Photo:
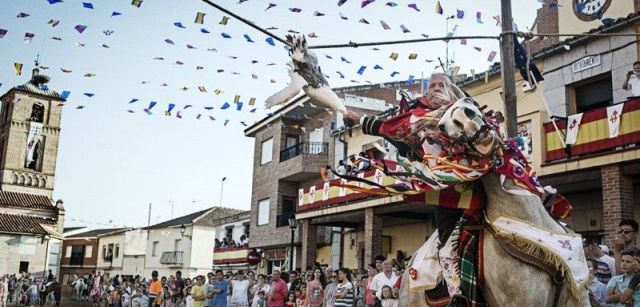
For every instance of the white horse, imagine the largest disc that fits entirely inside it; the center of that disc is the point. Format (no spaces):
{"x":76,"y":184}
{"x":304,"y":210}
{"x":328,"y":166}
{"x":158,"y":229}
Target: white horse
{"x":507,"y":280}
{"x":78,"y":286}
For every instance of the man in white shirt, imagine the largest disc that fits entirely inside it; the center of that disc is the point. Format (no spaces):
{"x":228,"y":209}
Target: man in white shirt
{"x":239,"y":289}
{"x":632,"y":82}
{"x":384,"y":278}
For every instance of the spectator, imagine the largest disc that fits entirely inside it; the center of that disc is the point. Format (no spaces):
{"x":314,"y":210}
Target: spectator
{"x":314,"y":294}
{"x":370,"y":294}
{"x":384,"y":278}
{"x":176,"y":291}
{"x":344,"y":289}
{"x":605,"y":264}
{"x":262,"y":299}
{"x":632,"y":82}
{"x":388,"y":300}
{"x":628,"y":229}
{"x":155,"y":289}
{"x":619,"y":283}
{"x":597,"y":289}
{"x":331,"y":288}
{"x":379,"y":260}
{"x":197,"y":292}
{"x":293,"y":277}
{"x":291,"y":300}
{"x":220,"y":290}
{"x":239,"y":287}
{"x":251,"y":275}
{"x":260,"y":286}
{"x":208,"y":290}
{"x":278,"y":290}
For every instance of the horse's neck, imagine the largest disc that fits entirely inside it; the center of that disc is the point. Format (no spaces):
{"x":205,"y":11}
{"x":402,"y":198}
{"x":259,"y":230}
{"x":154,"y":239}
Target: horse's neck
{"x":526,"y":208}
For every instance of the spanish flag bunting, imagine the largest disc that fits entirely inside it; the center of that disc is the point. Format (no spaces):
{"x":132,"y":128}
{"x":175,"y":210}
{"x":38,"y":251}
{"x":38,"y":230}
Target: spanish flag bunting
{"x":252,"y":101}
{"x":439,"y":9}
{"x":200,"y":18}
{"x":394,"y":56}
{"x":18,"y":67}
{"x":236,"y":99}
{"x":413,"y":56}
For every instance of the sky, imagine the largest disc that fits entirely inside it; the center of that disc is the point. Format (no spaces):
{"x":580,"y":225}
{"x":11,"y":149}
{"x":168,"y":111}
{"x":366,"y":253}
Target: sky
{"x":114,"y":159}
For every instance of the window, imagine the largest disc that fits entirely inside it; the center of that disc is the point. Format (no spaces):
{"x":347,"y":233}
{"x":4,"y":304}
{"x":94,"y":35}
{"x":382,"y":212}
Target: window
{"x":88,"y":251}
{"x":291,"y":141}
{"x":24,"y":266}
{"x":77,"y":254}
{"x":229,"y":232}
{"x":67,"y":254}
{"x":104,"y":252}
{"x":263,"y":212}
{"x":37,"y":112}
{"x":267,"y":151}
{"x":593,"y":94}
{"x":117,"y":254}
{"x":176,"y":244}
{"x":154,"y":249}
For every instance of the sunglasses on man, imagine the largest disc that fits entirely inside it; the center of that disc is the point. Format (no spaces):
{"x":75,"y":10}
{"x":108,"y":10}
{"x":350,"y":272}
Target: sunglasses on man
{"x":625,"y":231}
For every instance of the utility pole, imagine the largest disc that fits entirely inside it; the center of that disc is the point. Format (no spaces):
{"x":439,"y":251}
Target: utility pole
{"x":149,"y":216}
{"x":446,"y":69}
{"x":508,"y":70}
{"x":221,"y":190}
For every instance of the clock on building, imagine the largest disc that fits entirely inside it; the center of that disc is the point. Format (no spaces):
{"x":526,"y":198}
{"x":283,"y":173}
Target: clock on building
{"x":588,"y":10}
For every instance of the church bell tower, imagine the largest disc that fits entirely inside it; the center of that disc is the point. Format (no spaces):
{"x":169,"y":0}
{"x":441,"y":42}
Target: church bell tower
{"x":29,"y":136}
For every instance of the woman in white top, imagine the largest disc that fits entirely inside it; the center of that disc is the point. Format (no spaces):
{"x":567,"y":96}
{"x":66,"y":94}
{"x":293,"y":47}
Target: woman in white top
{"x":261,"y":285}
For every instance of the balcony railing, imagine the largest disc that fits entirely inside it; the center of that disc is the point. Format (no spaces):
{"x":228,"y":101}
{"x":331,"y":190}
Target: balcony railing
{"x":593,"y":133}
{"x":172,"y":258}
{"x":304,"y":148}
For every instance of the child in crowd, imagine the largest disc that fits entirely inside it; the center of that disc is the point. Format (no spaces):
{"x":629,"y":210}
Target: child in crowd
{"x":388,"y":300}
{"x":291,"y":300}
{"x":619,"y":283}
{"x":262,"y":302}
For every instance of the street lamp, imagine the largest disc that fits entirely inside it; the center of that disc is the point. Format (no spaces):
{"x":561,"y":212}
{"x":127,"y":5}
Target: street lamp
{"x":182,"y":230}
{"x":293,"y":224}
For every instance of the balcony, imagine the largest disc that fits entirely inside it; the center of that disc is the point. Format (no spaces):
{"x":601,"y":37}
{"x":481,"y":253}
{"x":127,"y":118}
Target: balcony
{"x":223,"y":256}
{"x":593,"y":134}
{"x":282,"y":220}
{"x":331,"y":194}
{"x":303,"y":161}
{"x":173,"y":258}
{"x":304,"y":148}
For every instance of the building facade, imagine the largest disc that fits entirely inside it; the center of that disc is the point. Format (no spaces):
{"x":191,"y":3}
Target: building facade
{"x":122,"y":252}
{"x":31,"y":223}
{"x":171,"y":247}
{"x":232,"y":237}
{"x":80,"y":253}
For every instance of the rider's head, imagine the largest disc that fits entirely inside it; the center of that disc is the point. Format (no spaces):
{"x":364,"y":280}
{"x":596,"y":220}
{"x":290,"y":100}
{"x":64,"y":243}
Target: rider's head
{"x":442,"y":91}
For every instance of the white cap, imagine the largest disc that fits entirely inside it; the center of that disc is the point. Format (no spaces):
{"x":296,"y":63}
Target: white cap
{"x":604,"y":248}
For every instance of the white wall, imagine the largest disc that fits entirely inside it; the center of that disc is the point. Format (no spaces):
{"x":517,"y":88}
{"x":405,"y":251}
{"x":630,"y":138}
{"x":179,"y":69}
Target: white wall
{"x":12,"y":252}
{"x":135,"y":242}
{"x":166,"y":239}
{"x":116,"y":261}
{"x":202,"y":250}
{"x":133,"y":265}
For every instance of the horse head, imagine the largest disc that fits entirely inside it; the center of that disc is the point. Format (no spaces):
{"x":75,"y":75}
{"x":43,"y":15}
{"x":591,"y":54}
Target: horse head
{"x":464,"y":121}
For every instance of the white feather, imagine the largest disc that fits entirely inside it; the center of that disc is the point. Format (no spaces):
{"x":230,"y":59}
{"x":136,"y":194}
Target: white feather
{"x":325,"y":96}
{"x":293,"y":88}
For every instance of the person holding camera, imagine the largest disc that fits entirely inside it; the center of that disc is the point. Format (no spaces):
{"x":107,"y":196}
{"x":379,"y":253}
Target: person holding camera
{"x":632,"y":82}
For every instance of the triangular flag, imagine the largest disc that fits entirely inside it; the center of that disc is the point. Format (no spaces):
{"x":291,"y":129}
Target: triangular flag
{"x":413,"y":56}
{"x":203,"y":30}
{"x":224,"y":20}
{"x":169,"y":109}
{"x":239,"y":106}
{"x":404,"y":29}
{"x":573,"y":126}
{"x":226,"y":105}
{"x":116,"y":14}
{"x":133,"y":100}
{"x":236,"y":99}
{"x":377,"y":67}
{"x":87,"y":5}
{"x":89,"y":94}
{"x":414,"y":6}
{"x":459,"y":14}
{"x":53,"y":22}
{"x":136,"y":3}
{"x":614,"y":117}
{"x":492,"y":56}
{"x":200,"y":18}
{"x":439,"y":9}
{"x":343,"y":59}
{"x":179,"y":25}
{"x":3,"y":32}
{"x":366,"y":2}
{"x":65,"y":94}
{"x":361,"y":70}
{"x":270,"y":6}
{"x":80,"y":28}
{"x":410,"y":80}
{"x":54,"y":1}
{"x":18,"y":68}
{"x":385,"y":25}
{"x":226,"y":121}
{"x":225,"y":35}
{"x":394,"y":56}
{"x":28,"y":37}
{"x":270,"y":41}
{"x":479,"y":17}
{"x":252,"y":101}
{"x":393,"y":74}
{"x":249,"y":40}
